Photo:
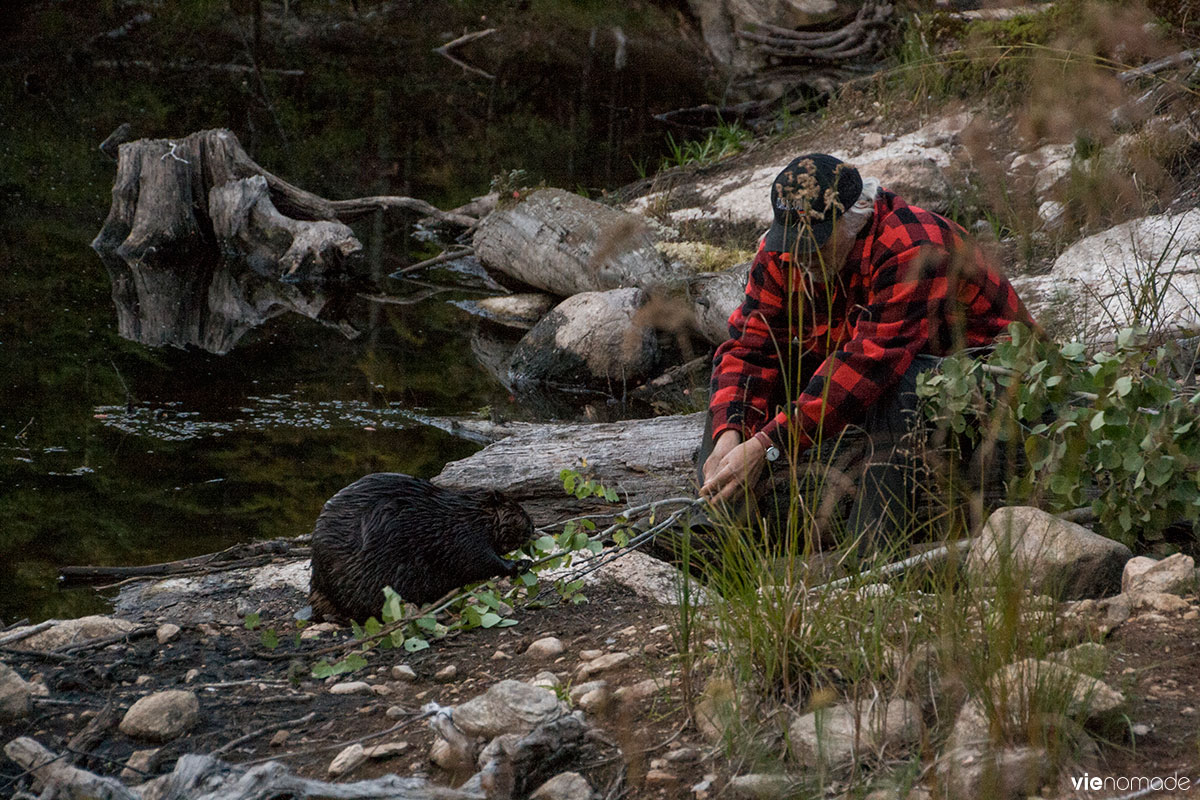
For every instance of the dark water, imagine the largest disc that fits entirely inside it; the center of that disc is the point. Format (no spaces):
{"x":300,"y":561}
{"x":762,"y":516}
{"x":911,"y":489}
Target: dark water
{"x":114,"y":453}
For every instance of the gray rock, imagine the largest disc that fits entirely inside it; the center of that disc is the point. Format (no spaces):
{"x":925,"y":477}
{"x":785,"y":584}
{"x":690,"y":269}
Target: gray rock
{"x":403,"y":672}
{"x":1010,"y":774}
{"x":546,"y":680}
{"x":589,"y":339}
{"x":1175,"y":574}
{"x":1162,"y":602}
{"x":836,"y":736}
{"x":16,"y":696}
{"x":446,"y":674}
{"x":507,"y":707}
{"x":162,"y":716}
{"x":646,"y":576}
{"x":385,"y":750}
{"x":580,"y":689}
{"x":564,"y":786}
{"x":140,"y":764}
{"x":1046,"y":554}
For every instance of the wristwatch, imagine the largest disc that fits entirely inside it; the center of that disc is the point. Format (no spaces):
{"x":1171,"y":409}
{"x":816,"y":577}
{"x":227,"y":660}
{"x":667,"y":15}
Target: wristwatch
{"x":770,"y":451}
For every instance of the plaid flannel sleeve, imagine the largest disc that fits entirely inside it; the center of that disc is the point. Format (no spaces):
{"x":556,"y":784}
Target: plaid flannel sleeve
{"x":908,"y":288}
{"x":746,"y":368}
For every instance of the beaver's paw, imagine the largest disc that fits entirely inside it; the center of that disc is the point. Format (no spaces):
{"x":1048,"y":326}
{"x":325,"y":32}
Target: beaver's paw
{"x":519,"y":567}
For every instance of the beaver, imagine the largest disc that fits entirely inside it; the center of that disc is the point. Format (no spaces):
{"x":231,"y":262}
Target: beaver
{"x":390,"y":529}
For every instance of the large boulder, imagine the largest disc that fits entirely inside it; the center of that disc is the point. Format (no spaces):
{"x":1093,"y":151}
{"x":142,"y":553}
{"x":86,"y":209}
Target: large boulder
{"x":1099,"y":285}
{"x":716,"y":298}
{"x":592,"y":340}
{"x":1046,"y":554}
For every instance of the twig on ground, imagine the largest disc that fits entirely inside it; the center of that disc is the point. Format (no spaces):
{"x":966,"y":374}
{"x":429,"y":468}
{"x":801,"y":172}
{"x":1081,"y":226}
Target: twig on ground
{"x":307,"y":718}
{"x":19,"y":635}
{"x":446,"y":255}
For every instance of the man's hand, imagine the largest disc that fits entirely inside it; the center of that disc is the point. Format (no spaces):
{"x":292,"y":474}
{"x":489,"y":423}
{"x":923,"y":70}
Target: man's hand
{"x":736,"y":471}
{"x":725,"y":442}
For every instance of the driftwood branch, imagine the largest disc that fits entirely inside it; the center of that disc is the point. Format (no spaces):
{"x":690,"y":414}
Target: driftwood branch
{"x":240,"y":555}
{"x":447,"y":255}
{"x":201,"y":776}
{"x":447,"y":49}
{"x":188,"y":66}
{"x":1179,"y":59}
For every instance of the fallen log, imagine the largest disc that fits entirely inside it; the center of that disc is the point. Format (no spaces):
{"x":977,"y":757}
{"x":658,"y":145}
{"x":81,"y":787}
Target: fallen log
{"x":202,"y":244}
{"x":565,"y":244}
{"x":643,"y":460}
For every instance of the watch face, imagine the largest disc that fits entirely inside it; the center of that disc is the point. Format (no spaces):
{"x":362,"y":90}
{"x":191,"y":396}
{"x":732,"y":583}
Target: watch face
{"x":772,"y":453}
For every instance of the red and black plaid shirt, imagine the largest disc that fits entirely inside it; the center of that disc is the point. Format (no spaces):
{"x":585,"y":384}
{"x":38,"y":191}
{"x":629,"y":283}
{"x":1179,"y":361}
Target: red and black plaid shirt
{"x":911,"y":284}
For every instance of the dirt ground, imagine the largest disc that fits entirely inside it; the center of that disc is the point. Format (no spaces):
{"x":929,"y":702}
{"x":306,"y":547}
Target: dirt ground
{"x":249,"y":694}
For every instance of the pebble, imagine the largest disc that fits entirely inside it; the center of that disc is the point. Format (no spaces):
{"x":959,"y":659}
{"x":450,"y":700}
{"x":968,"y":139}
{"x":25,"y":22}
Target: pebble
{"x":403,"y":672}
{"x":167,"y":632}
{"x":280,"y":738}
{"x":140,"y":765}
{"x":684,"y":755}
{"x":161,"y":716}
{"x":350,"y":687}
{"x":381,"y":689}
{"x":347,"y":760}
{"x":643,"y":690}
{"x":446,"y":674}
{"x":1140,"y":729}
{"x":632,"y":630}
{"x":500,"y":655}
{"x":595,"y":701}
{"x":590,"y":655}
{"x":564,"y":786}
{"x":314,"y":631}
{"x":191,"y":675}
{"x":579,"y":690}
{"x":660,"y":629}
{"x":395,"y":712}
{"x":546,"y":647}
{"x":142,"y":680}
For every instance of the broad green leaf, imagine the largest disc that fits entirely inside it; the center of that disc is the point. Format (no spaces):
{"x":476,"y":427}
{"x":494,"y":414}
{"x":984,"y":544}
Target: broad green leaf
{"x":414,"y":643}
{"x":269,"y":638}
{"x":489,"y":619}
{"x":252,"y":621}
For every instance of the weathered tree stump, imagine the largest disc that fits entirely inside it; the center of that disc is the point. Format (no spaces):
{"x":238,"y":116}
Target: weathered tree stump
{"x":202,"y":244}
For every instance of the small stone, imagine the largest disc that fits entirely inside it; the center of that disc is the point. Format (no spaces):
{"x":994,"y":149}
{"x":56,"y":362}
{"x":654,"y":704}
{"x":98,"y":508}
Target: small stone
{"x":595,"y":701}
{"x":638,"y":692}
{"x":161,"y":716}
{"x":167,"y":632}
{"x":403,"y":672}
{"x":347,"y":760}
{"x":590,"y":655}
{"x":500,"y":655}
{"x":564,"y":786}
{"x":507,"y":707}
{"x":191,"y":675}
{"x":660,"y":629}
{"x":1140,"y":729}
{"x":142,"y":680}
{"x":603,"y":664}
{"x":1191,"y":615}
{"x":386,"y":750}
{"x":395,"y":712}
{"x":209,"y":630}
{"x":761,"y":786}
{"x":350,"y":687}
{"x":716,"y":709}
{"x":446,"y":674}
{"x":547,"y":680}
{"x":580,"y":689}
{"x":244,"y":607}
{"x":546,"y":647}
{"x":632,"y":630}
{"x":140,"y":765}
{"x":280,"y":738}
{"x":315,"y":631}
{"x":872,"y":140}
{"x":381,"y":690}
{"x":1187,"y":711}
{"x":836,"y":736}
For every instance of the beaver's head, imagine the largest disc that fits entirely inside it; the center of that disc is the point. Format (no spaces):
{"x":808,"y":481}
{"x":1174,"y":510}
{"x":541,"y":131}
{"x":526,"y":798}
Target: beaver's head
{"x":511,"y":526}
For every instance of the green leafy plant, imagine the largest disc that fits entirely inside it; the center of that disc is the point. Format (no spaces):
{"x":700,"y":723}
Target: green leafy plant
{"x":721,"y":142}
{"x":1116,"y":430}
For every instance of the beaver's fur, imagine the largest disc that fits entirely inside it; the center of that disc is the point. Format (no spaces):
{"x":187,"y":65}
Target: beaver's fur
{"x":389,"y":529}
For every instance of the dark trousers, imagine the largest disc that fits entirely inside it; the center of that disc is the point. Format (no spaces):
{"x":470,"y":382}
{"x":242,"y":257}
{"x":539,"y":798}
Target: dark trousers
{"x":883,"y":480}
